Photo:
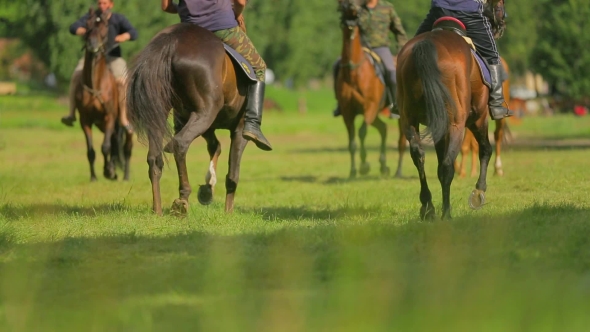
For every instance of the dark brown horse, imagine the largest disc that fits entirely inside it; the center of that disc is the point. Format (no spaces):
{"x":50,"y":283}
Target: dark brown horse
{"x":186,"y":68}
{"x":360,"y":91}
{"x":97,"y":100}
{"x":440,"y":86}
{"x":500,"y":134}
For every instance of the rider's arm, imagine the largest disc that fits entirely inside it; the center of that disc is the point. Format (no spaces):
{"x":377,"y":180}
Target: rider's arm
{"x":79,"y":27}
{"x":126,"y":30}
{"x":398,"y":29}
{"x":239,"y":6}
{"x":169,"y":7}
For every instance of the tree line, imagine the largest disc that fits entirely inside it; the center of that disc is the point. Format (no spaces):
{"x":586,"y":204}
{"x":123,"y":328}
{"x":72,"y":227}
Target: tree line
{"x":300,"y":39}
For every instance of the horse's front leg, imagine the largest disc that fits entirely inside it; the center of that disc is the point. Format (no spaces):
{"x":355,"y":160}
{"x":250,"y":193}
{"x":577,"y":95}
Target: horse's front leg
{"x":109,"y":165}
{"x":87,"y":128}
{"x":382,"y":128}
{"x":205,"y":194}
{"x":401,"y":149}
{"x":238,"y":144}
{"x":349,"y":122}
{"x":499,"y":137}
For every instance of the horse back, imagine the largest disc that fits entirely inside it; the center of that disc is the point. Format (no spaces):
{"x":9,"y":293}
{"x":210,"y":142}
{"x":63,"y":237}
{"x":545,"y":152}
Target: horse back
{"x":204,"y":76}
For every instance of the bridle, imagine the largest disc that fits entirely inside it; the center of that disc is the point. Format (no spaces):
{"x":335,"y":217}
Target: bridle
{"x":350,"y":23}
{"x":97,"y":52}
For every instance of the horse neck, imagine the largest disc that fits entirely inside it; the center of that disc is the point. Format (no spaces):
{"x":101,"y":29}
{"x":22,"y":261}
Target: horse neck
{"x":94,"y":68}
{"x":352,"y":48}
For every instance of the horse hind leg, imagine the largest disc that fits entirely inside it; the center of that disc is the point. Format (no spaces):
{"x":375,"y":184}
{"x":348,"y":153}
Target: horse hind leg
{"x":195,"y":126}
{"x":109,"y":164}
{"x":205,"y":193}
{"x":447,"y":150}
{"x":480,"y":131}
{"x":382,"y":128}
{"x":365,"y":166}
{"x":427,"y":211}
{"x":401,"y":148}
{"x":155,"y":164}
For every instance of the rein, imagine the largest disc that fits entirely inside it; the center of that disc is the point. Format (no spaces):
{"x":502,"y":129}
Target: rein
{"x":95,"y":55}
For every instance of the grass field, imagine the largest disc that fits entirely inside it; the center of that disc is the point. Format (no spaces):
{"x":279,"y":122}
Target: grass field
{"x":305,"y":250}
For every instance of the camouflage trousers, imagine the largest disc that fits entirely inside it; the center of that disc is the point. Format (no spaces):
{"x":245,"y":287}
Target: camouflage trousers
{"x":239,"y":41}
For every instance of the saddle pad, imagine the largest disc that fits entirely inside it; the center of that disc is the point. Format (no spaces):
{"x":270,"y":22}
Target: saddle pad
{"x":483,"y":69}
{"x":240,"y":62}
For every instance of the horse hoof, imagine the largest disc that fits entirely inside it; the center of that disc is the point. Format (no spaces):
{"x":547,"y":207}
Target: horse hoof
{"x":385,"y":171}
{"x":427,"y":212}
{"x":365,"y":168}
{"x":399,"y":175}
{"x":205,"y":194}
{"x":179,"y":207}
{"x":352,"y":175}
{"x":93,"y":179}
{"x":499,"y":172}
{"x":477,"y":199}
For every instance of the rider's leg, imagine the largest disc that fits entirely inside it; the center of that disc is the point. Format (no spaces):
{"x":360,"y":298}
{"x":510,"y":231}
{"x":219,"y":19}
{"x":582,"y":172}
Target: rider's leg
{"x":238,"y":40}
{"x":390,"y":79}
{"x":335,"y":69}
{"x":479,"y":30}
{"x":118,"y":67}
{"x":69,"y":119}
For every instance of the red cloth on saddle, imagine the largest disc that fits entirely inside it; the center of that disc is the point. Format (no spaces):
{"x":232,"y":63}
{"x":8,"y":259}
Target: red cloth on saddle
{"x":449,"y":18}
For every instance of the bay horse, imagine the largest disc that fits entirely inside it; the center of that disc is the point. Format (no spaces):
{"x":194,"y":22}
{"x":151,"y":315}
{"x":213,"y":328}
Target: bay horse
{"x":470,"y":144}
{"x":440,"y":86}
{"x":96,"y":97}
{"x":360,"y":91}
{"x":185,"y":68}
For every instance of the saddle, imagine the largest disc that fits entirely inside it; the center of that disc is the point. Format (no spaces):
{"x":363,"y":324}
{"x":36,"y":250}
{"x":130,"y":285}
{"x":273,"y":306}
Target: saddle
{"x":377,"y":63}
{"x":240,"y":63}
{"x":456,"y":26}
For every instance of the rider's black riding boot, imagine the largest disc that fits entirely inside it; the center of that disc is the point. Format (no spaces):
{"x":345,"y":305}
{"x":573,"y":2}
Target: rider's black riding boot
{"x":335,"y":70}
{"x":391,"y":88}
{"x":253,"y":116}
{"x":497,"y":109}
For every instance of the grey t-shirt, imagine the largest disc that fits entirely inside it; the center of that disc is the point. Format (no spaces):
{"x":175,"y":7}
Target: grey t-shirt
{"x":212,"y":15}
{"x":459,"y":5}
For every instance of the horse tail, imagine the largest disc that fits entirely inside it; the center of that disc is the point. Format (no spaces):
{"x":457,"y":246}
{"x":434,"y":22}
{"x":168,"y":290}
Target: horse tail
{"x":436,"y":95}
{"x":150,"y":94}
{"x":117,"y":146}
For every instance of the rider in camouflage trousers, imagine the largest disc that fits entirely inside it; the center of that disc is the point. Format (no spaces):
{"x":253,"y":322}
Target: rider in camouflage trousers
{"x":376,"y":19}
{"x":224,"y":18}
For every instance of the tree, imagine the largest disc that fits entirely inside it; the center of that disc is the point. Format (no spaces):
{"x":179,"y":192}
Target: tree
{"x":560,"y":54}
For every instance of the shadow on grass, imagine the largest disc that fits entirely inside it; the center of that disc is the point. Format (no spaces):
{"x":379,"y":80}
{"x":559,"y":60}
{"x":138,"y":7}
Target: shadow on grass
{"x":184,"y":278}
{"x":14,"y":212}
{"x":341,"y":180}
{"x":302,"y":212}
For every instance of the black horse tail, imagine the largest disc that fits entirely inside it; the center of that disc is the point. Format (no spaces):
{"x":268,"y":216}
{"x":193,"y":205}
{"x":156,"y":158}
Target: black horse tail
{"x":150,"y":94}
{"x":436,"y":95}
{"x":118,"y":140}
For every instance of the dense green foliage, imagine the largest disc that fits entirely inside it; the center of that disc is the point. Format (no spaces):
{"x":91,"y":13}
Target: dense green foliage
{"x":300,"y":39}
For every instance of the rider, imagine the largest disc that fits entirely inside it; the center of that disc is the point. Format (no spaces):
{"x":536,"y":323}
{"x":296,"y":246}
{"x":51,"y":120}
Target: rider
{"x":219,"y":17}
{"x":478,"y":27}
{"x":120,"y":30}
{"x":376,"y":19}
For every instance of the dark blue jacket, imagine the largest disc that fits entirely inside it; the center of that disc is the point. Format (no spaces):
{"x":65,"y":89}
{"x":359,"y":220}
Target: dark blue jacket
{"x":459,"y":5}
{"x":118,"y":24}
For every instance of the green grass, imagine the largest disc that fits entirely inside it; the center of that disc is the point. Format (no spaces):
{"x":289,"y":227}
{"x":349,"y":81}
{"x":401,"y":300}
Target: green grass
{"x":306,"y":250}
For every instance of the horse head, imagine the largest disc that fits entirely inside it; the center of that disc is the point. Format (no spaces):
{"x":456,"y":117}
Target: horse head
{"x":349,"y":10}
{"x":97,"y":31}
{"x":494,"y":10}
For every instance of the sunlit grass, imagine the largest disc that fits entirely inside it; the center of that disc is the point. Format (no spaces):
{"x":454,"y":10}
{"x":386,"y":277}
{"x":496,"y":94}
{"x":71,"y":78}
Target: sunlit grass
{"x":306,"y":249}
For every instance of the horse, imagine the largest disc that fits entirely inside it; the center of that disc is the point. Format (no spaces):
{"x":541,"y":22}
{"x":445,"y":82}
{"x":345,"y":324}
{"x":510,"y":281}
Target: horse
{"x":500,"y":134}
{"x":185,"y":70}
{"x":440,"y":86}
{"x":360,"y":91}
{"x":96,"y":97}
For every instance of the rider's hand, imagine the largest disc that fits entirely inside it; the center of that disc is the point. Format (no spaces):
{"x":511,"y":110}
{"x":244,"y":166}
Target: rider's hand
{"x":241,"y":22}
{"x":80,"y":31}
{"x":122,"y":37}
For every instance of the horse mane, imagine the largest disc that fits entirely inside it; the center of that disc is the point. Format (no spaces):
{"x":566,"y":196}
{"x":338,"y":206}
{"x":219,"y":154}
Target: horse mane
{"x":494,"y":10}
